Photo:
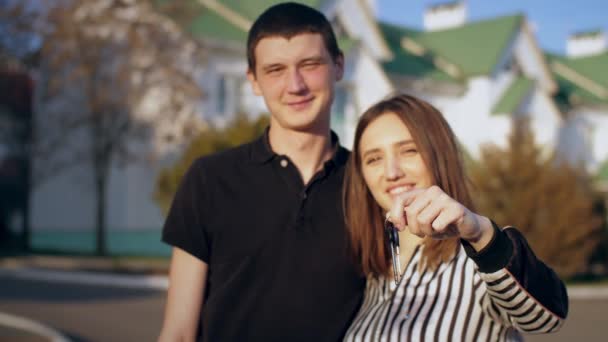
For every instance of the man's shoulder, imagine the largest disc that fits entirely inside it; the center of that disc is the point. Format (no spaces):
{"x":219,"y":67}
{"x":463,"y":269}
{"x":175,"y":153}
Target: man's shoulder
{"x":225,"y":158}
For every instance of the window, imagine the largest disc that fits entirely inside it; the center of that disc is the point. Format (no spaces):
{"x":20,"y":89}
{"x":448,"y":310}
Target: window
{"x":221,"y":95}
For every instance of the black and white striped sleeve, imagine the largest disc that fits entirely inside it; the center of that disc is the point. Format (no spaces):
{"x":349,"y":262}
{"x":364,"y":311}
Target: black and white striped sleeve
{"x":522,"y":291}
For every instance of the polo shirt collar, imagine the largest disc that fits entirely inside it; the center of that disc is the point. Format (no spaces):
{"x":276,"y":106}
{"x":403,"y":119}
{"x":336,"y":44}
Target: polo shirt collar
{"x":261,"y":152}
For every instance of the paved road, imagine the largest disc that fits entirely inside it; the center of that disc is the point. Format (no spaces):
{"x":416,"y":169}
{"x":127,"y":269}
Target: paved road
{"x":100,"y":313}
{"x":587,"y":321}
{"x":85,"y":313}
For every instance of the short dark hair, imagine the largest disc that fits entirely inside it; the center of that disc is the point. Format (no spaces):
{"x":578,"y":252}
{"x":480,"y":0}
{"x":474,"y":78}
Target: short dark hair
{"x":288,"y":20}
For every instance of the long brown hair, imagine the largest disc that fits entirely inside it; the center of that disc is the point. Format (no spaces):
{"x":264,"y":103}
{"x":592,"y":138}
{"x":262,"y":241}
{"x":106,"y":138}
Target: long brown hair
{"x":440,"y":153}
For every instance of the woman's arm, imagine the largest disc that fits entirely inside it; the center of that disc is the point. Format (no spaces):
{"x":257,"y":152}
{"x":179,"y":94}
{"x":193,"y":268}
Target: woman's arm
{"x":521,"y":290}
{"x":187,"y":280}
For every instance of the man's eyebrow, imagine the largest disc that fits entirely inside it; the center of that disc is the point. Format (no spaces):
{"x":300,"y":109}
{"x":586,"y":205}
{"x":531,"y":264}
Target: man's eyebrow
{"x":271,"y":66}
{"x":317,"y":59}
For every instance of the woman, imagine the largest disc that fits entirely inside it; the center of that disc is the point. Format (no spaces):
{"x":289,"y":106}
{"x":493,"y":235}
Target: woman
{"x":464,"y":279}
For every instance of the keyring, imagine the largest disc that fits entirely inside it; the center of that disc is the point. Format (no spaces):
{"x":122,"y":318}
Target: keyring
{"x":392,"y":236}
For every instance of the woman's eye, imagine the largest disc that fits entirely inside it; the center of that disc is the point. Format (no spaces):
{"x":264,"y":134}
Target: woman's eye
{"x":372,"y":160}
{"x":409,"y":150}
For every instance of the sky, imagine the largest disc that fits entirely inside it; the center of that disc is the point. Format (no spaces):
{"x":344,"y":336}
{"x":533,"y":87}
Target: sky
{"x":552,"y":20}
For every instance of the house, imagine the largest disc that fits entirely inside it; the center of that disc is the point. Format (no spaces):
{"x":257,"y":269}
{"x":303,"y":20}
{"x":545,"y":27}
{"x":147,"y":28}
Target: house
{"x":67,"y":201}
{"x":582,"y":76}
{"x":480,"y":74}
{"x":223,"y":25}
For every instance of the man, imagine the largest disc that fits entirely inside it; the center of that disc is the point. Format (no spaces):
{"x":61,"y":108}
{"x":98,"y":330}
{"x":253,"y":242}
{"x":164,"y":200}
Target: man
{"x":258,"y":233}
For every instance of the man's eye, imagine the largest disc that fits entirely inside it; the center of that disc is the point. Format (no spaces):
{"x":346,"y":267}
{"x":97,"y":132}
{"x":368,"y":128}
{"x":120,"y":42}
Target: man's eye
{"x":274,"y":70}
{"x":311,"y":65}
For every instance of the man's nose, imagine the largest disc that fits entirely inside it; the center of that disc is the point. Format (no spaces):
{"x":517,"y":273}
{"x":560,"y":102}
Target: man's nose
{"x":295,"y":82}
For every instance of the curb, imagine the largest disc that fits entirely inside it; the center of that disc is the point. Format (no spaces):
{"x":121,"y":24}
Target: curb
{"x":33,"y":327}
{"x":90,"y":278}
{"x":587,"y":292}
{"x":157,"y":282}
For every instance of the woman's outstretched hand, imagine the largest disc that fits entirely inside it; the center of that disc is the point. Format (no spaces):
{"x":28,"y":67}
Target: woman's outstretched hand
{"x":431,"y":212}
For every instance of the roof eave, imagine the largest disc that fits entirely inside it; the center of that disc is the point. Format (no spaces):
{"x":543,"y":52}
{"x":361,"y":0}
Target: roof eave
{"x":423,"y":84}
{"x":552,"y":86}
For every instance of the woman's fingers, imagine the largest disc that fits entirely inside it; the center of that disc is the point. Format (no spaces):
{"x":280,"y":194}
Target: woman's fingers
{"x":428,"y":212}
{"x":397,"y":214}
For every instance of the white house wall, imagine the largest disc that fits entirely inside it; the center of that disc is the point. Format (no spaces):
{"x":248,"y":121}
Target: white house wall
{"x":471,"y":118}
{"x":545,"y":119}
{"x":359,"y":26}
{"x":574,"y":143}
{"x":500,"y":84}
{"x":370,"y":85}
{"x":234,"y":66}
{"x":599,"y":136}
{"x":530,"y":60}
{"x":584,"y":137}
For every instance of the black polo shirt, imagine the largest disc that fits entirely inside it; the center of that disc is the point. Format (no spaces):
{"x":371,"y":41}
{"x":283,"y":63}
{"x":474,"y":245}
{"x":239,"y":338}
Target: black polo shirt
{"x":279,"y":269}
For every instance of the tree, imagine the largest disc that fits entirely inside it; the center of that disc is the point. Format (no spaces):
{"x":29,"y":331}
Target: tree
{"x":117,"y":84}
{"x":240,"y":130}
{"x":18,"y":46}
{"x":548,"y":200}
{"x":15,"y":120}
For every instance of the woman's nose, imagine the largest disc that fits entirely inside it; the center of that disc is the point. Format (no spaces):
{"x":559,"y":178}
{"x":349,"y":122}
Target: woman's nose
{"x":392,"y":169}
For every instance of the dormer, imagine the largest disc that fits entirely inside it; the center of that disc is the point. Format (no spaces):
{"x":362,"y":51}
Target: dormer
{"x":584,"y":44}
{"x":444,"y":16}
{"x":372,"y":6}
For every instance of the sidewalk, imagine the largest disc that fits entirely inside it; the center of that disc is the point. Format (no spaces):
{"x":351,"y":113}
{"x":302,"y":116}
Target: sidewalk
{"x":15,"y":328}
{"x":11,"y":334}
{"x":118,"y":265}
{"x":147,"y":272}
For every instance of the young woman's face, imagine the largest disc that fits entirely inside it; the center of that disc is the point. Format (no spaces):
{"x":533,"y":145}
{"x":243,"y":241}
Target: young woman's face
{"x":390,"y":160}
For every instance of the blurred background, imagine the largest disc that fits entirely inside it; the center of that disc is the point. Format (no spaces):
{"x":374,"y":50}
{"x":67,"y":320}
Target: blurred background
{"x":105,"y":103}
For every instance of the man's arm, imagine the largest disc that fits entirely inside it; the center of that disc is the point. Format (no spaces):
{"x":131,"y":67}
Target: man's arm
{"x":187,"y":280}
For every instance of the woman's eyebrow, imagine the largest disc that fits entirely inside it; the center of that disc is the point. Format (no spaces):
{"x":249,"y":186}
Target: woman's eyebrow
{"x":371,"y":151}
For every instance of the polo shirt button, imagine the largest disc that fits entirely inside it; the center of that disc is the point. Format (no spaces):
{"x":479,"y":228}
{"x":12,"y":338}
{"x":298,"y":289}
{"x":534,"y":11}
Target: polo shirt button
{"x":284,"y":163}
{"x":303,"y":195}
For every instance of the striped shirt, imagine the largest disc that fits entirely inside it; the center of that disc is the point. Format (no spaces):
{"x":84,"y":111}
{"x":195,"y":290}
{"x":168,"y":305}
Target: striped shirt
{"x":485,"y":296}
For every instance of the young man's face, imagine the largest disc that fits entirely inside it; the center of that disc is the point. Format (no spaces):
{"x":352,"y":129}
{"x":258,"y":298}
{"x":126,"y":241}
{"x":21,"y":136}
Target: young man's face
{"x":296,"y":77}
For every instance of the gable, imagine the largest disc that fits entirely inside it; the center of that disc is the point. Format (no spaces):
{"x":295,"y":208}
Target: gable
{"x":404,"y":62}
{"x":359,"y":22}
{"x":476,"y":48}
{"x":582,"y":81}
{"x":514,"y":96}
{"x":251,"y":9}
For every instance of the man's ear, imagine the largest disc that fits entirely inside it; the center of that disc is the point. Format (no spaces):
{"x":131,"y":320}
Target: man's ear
{"x":339,"y":64}
{"x":254,"y":83}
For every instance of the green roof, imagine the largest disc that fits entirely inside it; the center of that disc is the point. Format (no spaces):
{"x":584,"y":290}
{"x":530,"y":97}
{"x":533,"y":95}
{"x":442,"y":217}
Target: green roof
{"x":513,"y":97}
{"x":405,"y":63}
{"x":346,"y":44}
{"x":251,"y":9}
{"x":211,"y":24}
{"x":475,"y":47}
{"x":594,"y":68}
